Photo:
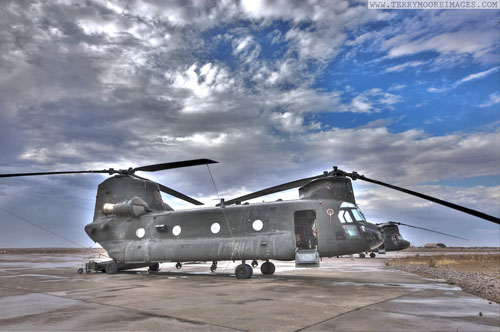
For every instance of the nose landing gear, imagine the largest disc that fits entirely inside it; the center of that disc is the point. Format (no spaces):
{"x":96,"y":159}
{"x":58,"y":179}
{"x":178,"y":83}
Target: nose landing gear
{"x":214,"y":266}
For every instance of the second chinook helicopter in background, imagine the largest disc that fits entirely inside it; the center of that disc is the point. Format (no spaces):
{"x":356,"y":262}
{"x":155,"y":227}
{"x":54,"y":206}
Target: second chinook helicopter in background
{"x":137,"y":229}
{"x":394,"y":241}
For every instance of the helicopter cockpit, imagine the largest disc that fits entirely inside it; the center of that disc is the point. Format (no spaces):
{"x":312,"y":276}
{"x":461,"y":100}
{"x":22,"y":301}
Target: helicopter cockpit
{"x":350,"y":217}
{"x":348,"y":214}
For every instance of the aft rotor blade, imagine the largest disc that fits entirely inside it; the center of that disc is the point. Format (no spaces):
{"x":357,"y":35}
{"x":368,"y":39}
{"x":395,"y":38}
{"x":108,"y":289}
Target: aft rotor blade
{"x":272,"y":190}
{"x":53,"y":173}
{"x":429,"y":230}
{"x":472,"y":212}
{"x":175,"y":164}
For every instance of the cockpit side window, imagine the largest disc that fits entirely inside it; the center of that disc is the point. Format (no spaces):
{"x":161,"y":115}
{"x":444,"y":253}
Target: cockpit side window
{"x":351,"y":230}
{"x":358,"y":215}
{"x":345,"y":216}
{"x":341,"y":216}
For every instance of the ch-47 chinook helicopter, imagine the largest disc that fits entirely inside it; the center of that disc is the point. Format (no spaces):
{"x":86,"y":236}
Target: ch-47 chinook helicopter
{"x":394,"y":241}
{"x":137,"y":229}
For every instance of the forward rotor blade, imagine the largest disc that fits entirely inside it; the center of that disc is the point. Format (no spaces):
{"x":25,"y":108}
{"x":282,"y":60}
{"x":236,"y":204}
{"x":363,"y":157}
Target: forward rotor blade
{"x":429,"y":230}
{"x":172,"y":192}
{"x":472,"y":212}
{"x":272,"y":190}
{"x":179,"y":195}
{"x":175,"y":164}
{"x":53,"y":173}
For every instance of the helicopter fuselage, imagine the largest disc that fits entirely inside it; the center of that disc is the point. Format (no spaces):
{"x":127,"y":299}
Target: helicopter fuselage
{"x":263,"y":231}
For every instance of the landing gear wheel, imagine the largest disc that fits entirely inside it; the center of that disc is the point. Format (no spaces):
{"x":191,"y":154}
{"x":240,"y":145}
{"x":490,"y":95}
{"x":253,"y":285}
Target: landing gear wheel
{"x":80,"y":271}
{"x":361,"y":255}
{"x":154,"y":268}
{"x":111,"y":267}
{"x":267,"y":268}
{"x":254,"y":263}
{"x":178,"y":266}
{"x":372,"y":255}
{"x":243,"y":271}
{"x":213,"y":267}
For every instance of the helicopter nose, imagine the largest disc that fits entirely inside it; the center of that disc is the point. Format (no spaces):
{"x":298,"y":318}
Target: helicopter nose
{"x":405,"y":244}
{"x":373,"y":235}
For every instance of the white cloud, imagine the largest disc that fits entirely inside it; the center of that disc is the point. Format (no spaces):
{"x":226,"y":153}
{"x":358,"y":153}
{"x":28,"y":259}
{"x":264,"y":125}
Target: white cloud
{"x":472,"y":42}
{"x":471,"y":77}
{"x":202,"y":84}
{"x":396,"y":87}
{"x":437,"y":90}
{"x":476,"y":76}
{"x":448,"y":38}
{"x":288,"y":121}
{"x":319,"y":46}
{"x":493,"y":99}
{"x":373,"y":100}
{"x":360,"y":104}
{"x":403,"y":66}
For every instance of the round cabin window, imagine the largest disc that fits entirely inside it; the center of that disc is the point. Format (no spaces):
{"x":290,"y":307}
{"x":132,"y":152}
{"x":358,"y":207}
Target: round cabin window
{"x":257,"y":225}
{"x":176,"y":230}
{"x":140,"y":232}
{"x":215,"y":228}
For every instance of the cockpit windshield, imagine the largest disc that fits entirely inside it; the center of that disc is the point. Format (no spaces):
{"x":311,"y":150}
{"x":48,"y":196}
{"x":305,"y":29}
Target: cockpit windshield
{"x":358,"y":215}
{"x":345,"y":216}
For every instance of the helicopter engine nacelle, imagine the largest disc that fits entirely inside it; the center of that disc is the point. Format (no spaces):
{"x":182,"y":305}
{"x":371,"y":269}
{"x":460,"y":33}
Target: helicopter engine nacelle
{"x":134,"y":207}
{"x":331,"y":187}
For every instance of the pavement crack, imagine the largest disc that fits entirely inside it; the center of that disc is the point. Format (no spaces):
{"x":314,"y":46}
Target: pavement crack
{"x":354,"y":310}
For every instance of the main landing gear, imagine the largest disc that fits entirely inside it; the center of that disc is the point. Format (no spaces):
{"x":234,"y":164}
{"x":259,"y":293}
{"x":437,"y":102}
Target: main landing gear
{"x":154,"y":268}
{"x":372,"y":255}
{"x":267,"y":268}
{"x":245,"y":271}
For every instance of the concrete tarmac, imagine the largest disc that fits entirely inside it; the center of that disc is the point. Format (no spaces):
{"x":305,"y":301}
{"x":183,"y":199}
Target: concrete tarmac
{"x":40,"y":292}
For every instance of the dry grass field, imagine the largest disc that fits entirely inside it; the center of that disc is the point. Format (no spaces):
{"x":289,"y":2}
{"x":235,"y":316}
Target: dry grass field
{"x":478,"y":274}
{"x":488,"y":263}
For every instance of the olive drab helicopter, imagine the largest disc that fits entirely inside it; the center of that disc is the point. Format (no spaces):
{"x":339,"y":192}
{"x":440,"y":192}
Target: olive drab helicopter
{"x":394,"y":241}
{"x":137,"y":229}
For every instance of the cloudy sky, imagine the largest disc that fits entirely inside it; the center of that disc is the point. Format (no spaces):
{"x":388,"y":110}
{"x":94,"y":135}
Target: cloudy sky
{"x":274,"y":91}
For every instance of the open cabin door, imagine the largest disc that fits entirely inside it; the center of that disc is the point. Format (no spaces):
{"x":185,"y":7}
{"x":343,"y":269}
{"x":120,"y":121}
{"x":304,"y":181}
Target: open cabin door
{"x":306,"y":252}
